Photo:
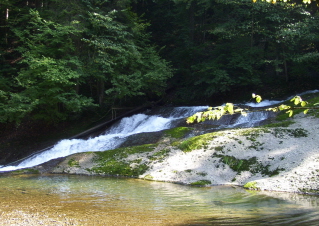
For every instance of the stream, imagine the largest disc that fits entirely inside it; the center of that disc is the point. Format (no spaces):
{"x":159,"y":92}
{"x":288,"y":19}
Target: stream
{"x":93,"y":200}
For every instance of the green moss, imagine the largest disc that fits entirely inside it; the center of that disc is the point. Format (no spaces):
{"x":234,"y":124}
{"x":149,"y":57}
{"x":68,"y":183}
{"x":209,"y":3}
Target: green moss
{"x":73,"y":163}
{"x":119,"y":168}
{"x":178,"y":132}
{"x":124,"y":152}
{"x":309,"y":191}
{"x":279,"y":124}
{"x":253,"y":133}
{"x":219,"y":148}
{"x":299,"y":132}
{"x":251,"y":164}
{"x":111,"y":162}
{"x":26,"y":171}
{"x":148,"y":177}
{"x":201,"y":183}
{"x":251,"y":185}
{"x":137,"y":161}
{"x":160,"y":155}
{"x":203,"y":174}
{"x":197,"y":142}
{"x":256,"y":145}
{"x":237,"y":165}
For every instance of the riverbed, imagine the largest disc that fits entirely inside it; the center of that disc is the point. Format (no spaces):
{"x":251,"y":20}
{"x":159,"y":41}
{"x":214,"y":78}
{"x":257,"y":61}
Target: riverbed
{"x":96,"y":200}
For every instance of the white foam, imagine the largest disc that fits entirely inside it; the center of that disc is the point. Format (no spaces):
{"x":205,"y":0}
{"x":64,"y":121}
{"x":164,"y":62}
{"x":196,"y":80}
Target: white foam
{"x":114,"y":137}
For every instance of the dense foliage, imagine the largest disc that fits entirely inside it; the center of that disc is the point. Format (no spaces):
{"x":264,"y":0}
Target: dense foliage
{"x":59,"y":58}
{"x":227,"y":46}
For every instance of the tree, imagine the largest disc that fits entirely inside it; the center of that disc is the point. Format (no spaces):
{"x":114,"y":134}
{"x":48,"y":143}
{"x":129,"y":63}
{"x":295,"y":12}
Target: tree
{"x":59,"y":58}
{"x":126,"y":65}
{"x":45,"y":84}
{"x":220,"y":46}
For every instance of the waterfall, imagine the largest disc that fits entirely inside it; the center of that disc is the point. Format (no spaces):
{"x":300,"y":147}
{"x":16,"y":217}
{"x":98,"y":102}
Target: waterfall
{"x":113,"y":137}
{"x":149,"y":121}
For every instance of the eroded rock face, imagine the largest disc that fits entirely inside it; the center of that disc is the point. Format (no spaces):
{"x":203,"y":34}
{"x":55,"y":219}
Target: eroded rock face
{"x":79,"y":163}
{"x":142,"y":138}
{"x":277,"y":159}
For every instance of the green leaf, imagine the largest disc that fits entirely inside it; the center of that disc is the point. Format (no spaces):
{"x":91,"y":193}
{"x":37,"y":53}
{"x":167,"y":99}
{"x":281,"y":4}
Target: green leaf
{"x":290,"y":112}
{"x":296,"y":100}
{"x":306,"y":111}
{"x":230,"y":108}
{"x":283,"y":107}
{"x":198,"y":115}
{"x":258,"y":99}
{"x":190,"y":119}
{"x":303,"y":103}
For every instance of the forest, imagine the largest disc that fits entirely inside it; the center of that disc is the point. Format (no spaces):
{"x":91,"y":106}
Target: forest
{"x":64,"y":60}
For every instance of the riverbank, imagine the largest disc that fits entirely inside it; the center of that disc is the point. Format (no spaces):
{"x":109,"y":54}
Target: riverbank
{"x":282,"y":157}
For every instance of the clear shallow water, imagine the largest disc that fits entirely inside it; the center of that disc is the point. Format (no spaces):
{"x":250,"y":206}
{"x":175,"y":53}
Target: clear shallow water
{"x":85,"y":200}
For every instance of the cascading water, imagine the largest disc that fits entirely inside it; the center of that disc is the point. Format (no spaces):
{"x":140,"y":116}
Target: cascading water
{"x":113,"y":137}
{"x":150,"y":121}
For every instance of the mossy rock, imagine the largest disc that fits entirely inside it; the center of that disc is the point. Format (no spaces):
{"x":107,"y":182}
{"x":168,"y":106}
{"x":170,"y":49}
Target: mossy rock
{"x":148,"y":177}
{"x":197,"y":142}
{"x":178,"y":132}
{"x":112,"y":162}
{"x":73,"y":163}
{"x":296,"y":133}
{"x":26,"y":171}
{"x":251,"y":164}
{"x":252,"y":185}
{"x":201,"y":183}
{"x":160,"y":155}
{"x":279,"y":124}
{"x":119,"y":168}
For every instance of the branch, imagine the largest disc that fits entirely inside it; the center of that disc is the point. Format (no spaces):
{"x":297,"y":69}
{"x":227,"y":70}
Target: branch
{"x":215,"y":113}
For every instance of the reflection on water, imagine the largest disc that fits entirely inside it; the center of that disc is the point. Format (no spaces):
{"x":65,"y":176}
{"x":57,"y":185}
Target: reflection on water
{"x":83,"y":200}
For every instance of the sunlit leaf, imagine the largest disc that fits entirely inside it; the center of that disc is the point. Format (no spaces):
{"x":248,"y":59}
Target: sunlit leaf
{"x":283,"y":107}
{"x":198,"y":115}
{"x":306,"y":111}
{"x":290,"y":112}
{"x":303,"y":103}
{"x":230,"y":108}
{"x":258,"y":99}
{"x":190,"y":119}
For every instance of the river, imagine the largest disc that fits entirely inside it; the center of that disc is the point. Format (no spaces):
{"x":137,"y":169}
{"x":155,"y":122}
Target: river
{"x":94,"y":200}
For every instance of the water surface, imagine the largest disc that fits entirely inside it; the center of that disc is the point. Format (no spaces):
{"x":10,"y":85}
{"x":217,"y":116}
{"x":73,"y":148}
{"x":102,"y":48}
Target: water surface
{"x":91,"y":200}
